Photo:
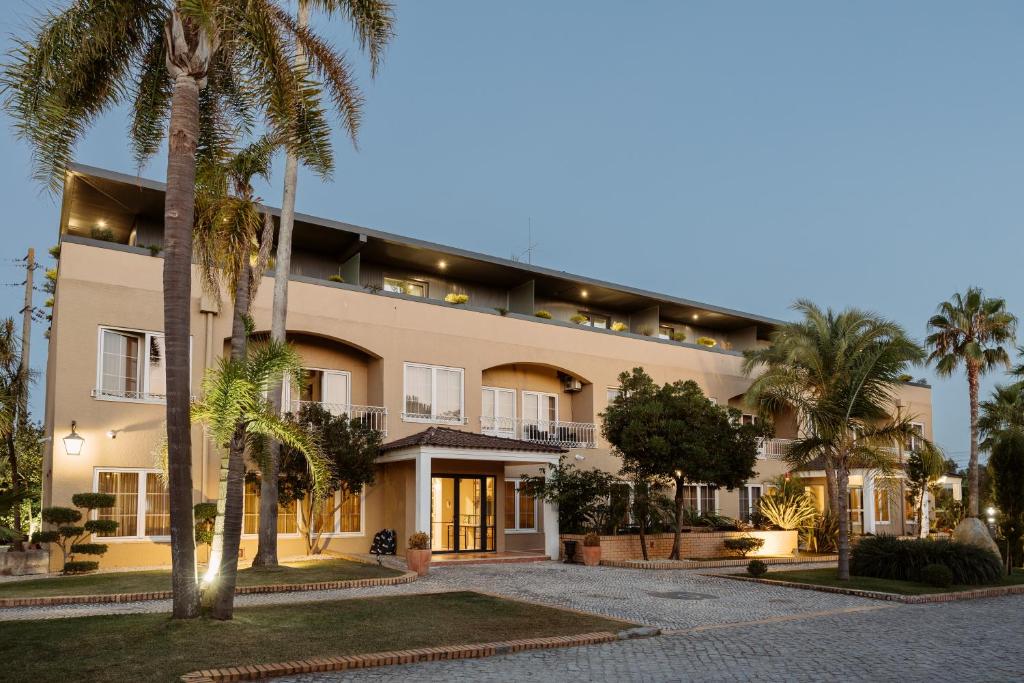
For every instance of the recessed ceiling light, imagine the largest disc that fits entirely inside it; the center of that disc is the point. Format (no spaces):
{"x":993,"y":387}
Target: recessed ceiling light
{"x":102,"y":223}
{"x":695,"y":316}
{"x":584,"y":294}
{"x":442,"y":264}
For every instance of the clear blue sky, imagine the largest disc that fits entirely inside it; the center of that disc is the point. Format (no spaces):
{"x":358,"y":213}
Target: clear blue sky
{"x":743,"y":153}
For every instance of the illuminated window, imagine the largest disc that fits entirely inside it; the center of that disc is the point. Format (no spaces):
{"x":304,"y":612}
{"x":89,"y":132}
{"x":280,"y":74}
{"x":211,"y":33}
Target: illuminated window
{"x":520,"y":507}
{"x":141,"y":503}
{"x":286,"y":522}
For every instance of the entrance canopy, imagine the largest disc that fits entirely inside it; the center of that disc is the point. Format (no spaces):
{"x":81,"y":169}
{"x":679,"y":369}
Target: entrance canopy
{"x":446,"y":444}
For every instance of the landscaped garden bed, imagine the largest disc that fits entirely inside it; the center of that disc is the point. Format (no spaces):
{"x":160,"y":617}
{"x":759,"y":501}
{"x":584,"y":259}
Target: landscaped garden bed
{"x":87,"y":648}
{"x":155,"y":581}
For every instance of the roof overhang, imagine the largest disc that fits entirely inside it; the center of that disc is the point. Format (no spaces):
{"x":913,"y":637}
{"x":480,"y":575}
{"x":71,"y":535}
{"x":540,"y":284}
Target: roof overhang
{"x":478,"y":454}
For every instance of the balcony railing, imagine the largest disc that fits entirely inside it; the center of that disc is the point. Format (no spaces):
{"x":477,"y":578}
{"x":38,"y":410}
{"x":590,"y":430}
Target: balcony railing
{"x":773,"y":449}
{"x":376,"y":417}
{"x":554,"y":432}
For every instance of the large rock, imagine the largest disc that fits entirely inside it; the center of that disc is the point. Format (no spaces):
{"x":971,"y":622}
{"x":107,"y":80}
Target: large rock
{"x":974,"y":532}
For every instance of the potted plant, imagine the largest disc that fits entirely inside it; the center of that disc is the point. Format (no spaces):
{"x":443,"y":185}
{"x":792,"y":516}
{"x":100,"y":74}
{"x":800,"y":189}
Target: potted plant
{"x":417,"y":555}
{"x":678,"y":337}
{"x":457,"y":299}
{"x":592,"y":549}
{"x":579,"y":318}
{"x":618,"y":327}
{"x":543,"y":314}
{"x":707,"y":341}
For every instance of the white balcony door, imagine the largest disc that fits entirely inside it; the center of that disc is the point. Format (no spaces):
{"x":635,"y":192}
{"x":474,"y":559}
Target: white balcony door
{"x":540,"y":412}
{"x":336,"y":390}
{"x":499,"y":411}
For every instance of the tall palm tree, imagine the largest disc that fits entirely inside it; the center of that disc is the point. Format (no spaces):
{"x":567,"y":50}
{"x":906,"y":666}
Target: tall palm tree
{"x":969,"y":330}
{"x":373,"y":23}
{"x":191,"y":72}
{"x":1002,"y":412}
{"x":239,"y":418}
{"x":840,"y":372}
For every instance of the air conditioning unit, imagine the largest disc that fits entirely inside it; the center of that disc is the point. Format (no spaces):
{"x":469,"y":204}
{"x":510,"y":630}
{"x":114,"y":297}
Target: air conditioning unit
{"x":571,"y":385}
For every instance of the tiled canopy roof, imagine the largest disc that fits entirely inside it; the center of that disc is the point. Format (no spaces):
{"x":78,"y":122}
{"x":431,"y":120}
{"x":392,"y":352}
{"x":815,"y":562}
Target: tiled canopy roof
{"x":445,"y":437}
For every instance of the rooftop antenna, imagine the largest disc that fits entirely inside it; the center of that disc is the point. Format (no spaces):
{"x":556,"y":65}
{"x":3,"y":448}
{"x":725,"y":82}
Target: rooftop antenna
{"x":530,"y":244}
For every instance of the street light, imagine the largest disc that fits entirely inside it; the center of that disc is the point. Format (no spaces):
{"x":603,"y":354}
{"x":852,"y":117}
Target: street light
{"x":73,"y":442}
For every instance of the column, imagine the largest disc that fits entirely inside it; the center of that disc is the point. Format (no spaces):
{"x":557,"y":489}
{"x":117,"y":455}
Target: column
{"x":925,"y":513}
{"x":869,"y":502}
{"x":422,"y":502}
{"x":550,"y":524}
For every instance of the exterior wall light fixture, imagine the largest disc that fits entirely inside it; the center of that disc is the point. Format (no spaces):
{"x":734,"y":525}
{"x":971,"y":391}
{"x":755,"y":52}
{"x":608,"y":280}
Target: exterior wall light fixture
{"x":73,"y":442}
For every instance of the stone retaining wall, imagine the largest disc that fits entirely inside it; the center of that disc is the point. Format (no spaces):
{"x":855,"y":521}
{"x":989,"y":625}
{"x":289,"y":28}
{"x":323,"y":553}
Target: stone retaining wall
{"x":696,"y":544}
{"x":24,"y":563}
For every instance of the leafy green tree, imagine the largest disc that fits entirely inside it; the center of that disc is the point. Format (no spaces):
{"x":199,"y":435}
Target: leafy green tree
{"x":579,"y":494}
{"x":840,"y":373}
{"x":970,"y":330}
{"x":349,"y":447}
{"x":674,"y":433}
{"x":240,"y":419}
{"x":1006,"y":466}
{"x":19,"y":471}
{"x":197,"y":73}
{"x":373,"y":23}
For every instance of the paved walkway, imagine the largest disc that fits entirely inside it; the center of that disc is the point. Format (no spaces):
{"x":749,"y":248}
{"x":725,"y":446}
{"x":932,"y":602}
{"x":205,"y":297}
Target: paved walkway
{"x":715,"y":630}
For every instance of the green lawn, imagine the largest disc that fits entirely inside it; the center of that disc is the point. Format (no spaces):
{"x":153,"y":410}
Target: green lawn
{"x":152,"y":647}
{"x":160,"y":580}
{"x":827,"y":577}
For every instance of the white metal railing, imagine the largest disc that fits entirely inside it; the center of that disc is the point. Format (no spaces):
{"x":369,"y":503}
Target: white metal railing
{"x":555,"y":432}
{"x":376,"y":417}
{"x":773,"y":449}
{"x":128,"y":395}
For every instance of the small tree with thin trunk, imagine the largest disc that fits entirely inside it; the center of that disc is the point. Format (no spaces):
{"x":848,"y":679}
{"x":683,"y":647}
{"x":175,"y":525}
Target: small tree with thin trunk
{"x":72,"y":538}
{"x":674,"y":433}
{"x":925,"y":465}
{"x":349,"y":448}
{"x":970,"y":330}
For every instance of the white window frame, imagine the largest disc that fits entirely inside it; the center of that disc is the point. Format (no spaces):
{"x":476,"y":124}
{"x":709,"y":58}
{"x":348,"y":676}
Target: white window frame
{"x":140,"y":507}
{"x":888,"y":507}
{"x":589,"y":315}
{"x":700,"y":498}
{"x":433,"y":419}
{"x":749,"y":488}
{"x":914,"y":436}
{"x":536,"y":513}
{"x":664,"y":335}
{"x":323,"y":371}
{"x":407,"y":281}
{"x":494,"y":397}
{"x":144,"y":397}
{"x":298,"y":520}
{"x":337,"y":518}
{"x":538,"y":394}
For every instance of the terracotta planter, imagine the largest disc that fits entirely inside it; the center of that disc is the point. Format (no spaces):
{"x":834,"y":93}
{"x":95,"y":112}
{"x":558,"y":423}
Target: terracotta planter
{"x":418,"y":561}
{"x":591,"y":555}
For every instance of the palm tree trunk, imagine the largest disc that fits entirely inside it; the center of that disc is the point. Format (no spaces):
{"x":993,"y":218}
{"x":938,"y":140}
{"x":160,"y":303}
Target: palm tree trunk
{"x":266,"y":553}
{"x":833,"y":490}
{"x":972,"y":466}
{"x":843,"y":488}
{"x":677,"y":539}
{"x":179,"y":206}
{"x":232,"y":473}
{"x":12,"y":459}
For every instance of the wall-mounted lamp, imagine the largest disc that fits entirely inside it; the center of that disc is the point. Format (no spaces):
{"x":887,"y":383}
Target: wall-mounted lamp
{"x":111,"y":433}
{"x":73,"y":442}
{"x":580,"y":457}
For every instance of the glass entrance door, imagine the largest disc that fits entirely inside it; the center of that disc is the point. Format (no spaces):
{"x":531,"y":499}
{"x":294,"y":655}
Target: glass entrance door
{"x":462,"y":514}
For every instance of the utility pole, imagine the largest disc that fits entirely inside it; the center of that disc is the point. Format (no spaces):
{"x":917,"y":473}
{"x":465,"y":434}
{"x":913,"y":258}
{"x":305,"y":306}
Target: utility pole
{"x":26,"y":334}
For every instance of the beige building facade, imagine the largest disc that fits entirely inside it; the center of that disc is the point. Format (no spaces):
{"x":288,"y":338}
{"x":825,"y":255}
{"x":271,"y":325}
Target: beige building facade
{"x":385,"y":346}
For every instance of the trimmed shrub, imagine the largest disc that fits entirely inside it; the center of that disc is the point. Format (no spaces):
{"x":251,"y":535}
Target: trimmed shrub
{"x":72,"y":538}
{"x":757,"y":568}
{"x":419,"y":541}
{"x":91,"y":501}
{"x":80,"y":566}
{"x":543,"y":314}
{"x":579,"y":319}
{"x":618,"y":327}
{"x":678,"y":337}
{"x":101,"y":526}
{"x":888,"y":557}
{"x":89,"y":548}
{"x":336,"y":278}
{"x":743,"y":546}
{"x":457,"y":299}
{"x":707,"y":341}
{"x":205,"y":514}
{"x":45,"y":537}
{"x":937,"y":575}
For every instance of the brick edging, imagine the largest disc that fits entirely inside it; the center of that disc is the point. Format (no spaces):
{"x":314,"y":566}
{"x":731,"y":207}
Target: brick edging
{"x":49,"y":601}
{"x":712,"y":564}
{"x":376,"y":659}
{"x":993,"y":592}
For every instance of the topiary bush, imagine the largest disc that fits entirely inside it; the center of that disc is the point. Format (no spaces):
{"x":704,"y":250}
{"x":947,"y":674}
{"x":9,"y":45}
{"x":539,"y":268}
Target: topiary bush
{"x":938,"y":575}
{"x":757,"y":568}
{"x":205,"y":515}
{"x":743,"y":546}
{"x":71,"y":537}
{"x":888,"y":557}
